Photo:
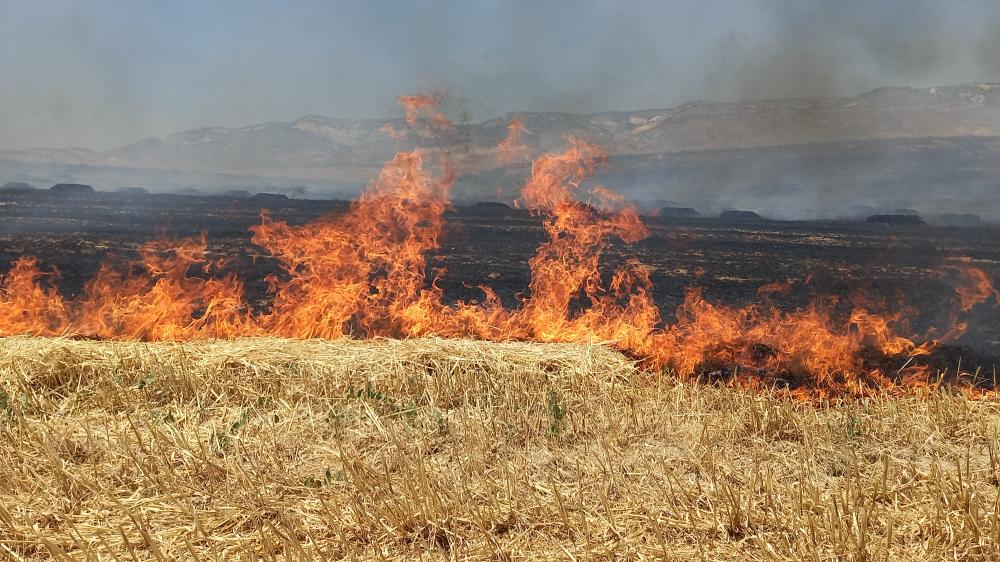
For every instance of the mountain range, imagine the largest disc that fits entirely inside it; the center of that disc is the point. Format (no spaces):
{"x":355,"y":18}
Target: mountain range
{"x":923,"y":148}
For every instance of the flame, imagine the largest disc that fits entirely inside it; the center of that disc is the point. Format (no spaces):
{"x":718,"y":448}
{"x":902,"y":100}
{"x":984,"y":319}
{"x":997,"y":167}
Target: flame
{"x":512,"y":147}
{"x":358,"y":271}
{"x":25,"y":306}
{"x":806,"y":346}
{"x":974,"y":287}
{"x":423,"y":115}
{"x":166,"y":302}
{"x":363,"y":273}
{"x":565,"y":269}
{"x":392,"y":132}
{"x":779,"y":288}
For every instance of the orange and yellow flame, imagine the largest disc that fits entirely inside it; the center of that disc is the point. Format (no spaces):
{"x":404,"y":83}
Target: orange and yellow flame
{"x":512,"y":148}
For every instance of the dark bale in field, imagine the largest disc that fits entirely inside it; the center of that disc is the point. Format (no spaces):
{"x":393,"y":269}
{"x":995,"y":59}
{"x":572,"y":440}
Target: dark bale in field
{"x":72,"y":189}
{"x":956,"y":219}
{"x":129,"y":190}
{"x":264,"y":196}
{"x":859,"y":211}
{"x":493,"y":209}
{"x":895,"y":220}
{"x":17,"y":186}
{"x":497,"y":205}
{"x":270,"y":199}
{"x":679,"y":212}
{"x":739,"y":215}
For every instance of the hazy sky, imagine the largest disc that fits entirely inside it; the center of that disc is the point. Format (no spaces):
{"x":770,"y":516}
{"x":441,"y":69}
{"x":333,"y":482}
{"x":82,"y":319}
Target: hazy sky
{"x":104,"y":73}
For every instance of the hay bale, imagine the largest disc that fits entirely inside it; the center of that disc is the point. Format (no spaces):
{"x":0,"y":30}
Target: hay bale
{"x":678,"y":212}
{"x":17,"y":186}
{"x":896,"y":220}
{"x":72,"y":189}
{"x":739,"y":215}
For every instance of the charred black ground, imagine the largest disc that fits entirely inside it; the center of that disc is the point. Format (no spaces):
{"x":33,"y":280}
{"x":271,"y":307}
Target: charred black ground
{"x":730,"y":259}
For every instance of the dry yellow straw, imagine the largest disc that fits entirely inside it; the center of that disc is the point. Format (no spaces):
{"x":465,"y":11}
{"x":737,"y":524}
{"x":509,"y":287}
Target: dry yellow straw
{"x":288,"y":450}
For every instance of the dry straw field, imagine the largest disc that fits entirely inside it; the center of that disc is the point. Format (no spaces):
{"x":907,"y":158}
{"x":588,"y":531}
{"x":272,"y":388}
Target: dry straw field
{"x":268,"y":449}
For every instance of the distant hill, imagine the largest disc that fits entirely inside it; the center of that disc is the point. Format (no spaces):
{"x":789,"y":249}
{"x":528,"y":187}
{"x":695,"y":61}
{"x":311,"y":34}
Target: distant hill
{"x":728,"y":154}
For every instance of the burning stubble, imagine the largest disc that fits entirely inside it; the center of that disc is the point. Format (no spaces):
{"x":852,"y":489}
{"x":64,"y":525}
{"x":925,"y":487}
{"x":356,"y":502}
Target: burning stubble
{"x":363,"y":274}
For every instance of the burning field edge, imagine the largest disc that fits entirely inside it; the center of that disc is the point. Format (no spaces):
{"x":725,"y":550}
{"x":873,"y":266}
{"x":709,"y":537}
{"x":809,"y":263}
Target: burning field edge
{"x":366,"y":271}
{"x":313,"y":449}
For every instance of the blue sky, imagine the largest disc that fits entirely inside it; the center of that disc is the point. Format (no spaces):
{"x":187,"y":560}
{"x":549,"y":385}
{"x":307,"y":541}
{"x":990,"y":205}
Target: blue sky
{"x":103,"y":73}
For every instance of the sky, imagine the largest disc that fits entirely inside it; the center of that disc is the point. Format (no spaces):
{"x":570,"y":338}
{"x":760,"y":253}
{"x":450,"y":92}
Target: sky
{"x":103,"y":73}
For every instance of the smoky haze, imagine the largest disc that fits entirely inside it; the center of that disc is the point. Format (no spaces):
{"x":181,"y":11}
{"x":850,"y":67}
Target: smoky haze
{"x":103,"y":74}
{"x":817,"y":49}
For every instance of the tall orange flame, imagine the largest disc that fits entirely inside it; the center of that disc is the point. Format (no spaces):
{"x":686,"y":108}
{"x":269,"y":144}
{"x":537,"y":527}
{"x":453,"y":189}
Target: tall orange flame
{"x":25,"y":306}
{"x":355,"y":273}
{"x":512,"y":147}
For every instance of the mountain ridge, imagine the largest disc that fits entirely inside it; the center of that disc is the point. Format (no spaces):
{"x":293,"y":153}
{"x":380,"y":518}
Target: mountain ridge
{"x":982,"y":95}
{"x":341,"y":154}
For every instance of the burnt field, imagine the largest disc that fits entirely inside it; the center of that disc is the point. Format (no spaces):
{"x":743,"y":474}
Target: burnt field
{"x":885,"y":267}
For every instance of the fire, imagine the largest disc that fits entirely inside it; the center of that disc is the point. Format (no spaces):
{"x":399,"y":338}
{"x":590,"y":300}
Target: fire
{"x":357,"y":272}
{"x":779,"y":288}
{"x":512,"y":147}
{"x":565,"y":269}
{"x":363,"y":273}
{"x":423,"y":115}
{"x":166,"y":302}
{"x":974,"y":287}
{"x":25,"y":306}
{"x":392,"y":132}
{"x":805,"y":347}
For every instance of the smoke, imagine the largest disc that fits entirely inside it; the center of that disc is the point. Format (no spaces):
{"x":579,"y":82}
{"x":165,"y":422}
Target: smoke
{"x":588,"y":56}
{"x":823,"y":49}
{"x":105,"y":74}
{"x":101,"y":75}
{"x":827,"y":48}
